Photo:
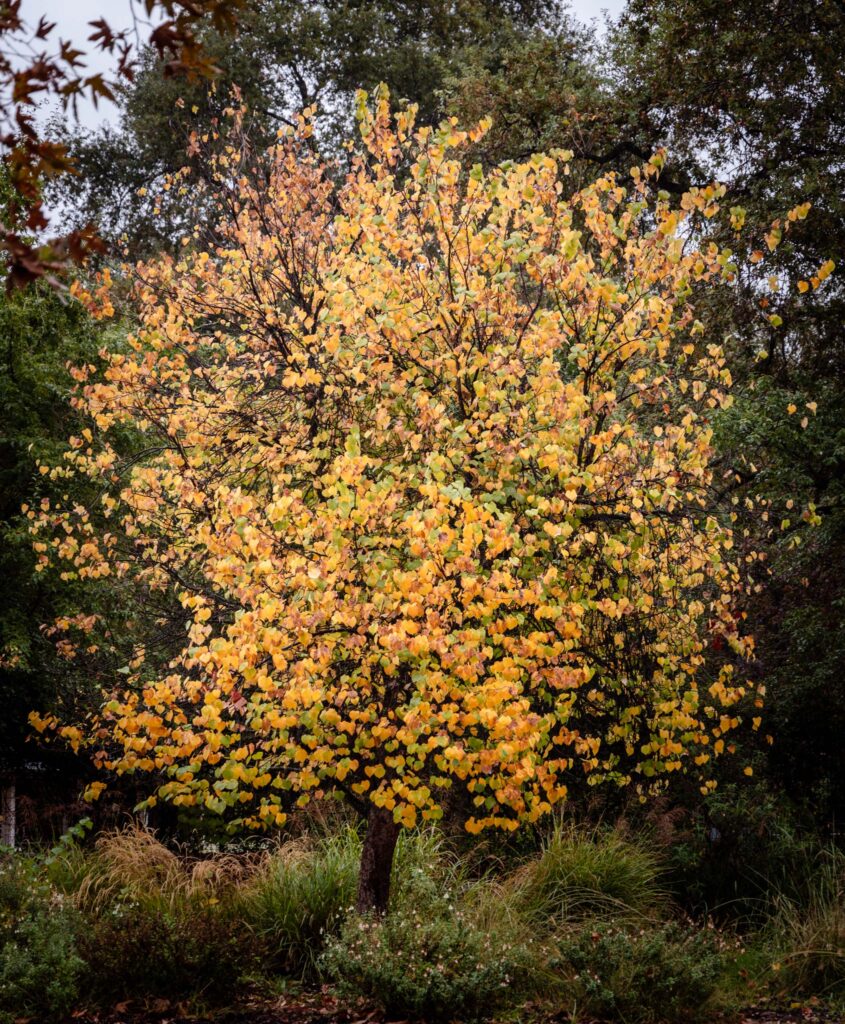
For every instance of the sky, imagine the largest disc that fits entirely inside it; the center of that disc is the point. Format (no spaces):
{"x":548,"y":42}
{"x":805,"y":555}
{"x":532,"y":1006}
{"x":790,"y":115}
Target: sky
{"x":72,"y":18}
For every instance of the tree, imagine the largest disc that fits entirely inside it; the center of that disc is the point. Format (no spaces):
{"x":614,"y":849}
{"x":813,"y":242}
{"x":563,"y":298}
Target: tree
{"x":40,"y":333}
{"x":552,"y":89}
{"x":286,"y":56}
{"x":765,"y":111}
{"x":427,"y":468}
{"x":29,"y":72}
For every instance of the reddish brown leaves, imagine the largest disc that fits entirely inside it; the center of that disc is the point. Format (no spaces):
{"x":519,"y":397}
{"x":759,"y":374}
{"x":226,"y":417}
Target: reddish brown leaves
{"x":30,"y":72}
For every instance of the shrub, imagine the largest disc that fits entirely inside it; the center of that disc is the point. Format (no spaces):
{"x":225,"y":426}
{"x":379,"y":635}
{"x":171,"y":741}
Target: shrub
{"x":39,"y":965}
{"x":639,"y":975}
{"x":582,"y":874}
{"x":299,"y":896}
{"x":741,"y":843}
{"x":427,"y":963}
{"x":147,"y":949}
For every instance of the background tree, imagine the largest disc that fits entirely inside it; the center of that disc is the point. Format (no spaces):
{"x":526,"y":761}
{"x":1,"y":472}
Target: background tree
{"x":427,"y":468}
{"x":286,"y":56}
{"x":40,"y":334}
{"x":29,"y":71}
{"x":765,"y":112}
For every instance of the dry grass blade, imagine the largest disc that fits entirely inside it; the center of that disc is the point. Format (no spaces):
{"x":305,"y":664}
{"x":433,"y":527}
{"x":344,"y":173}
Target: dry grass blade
{"x":132,"y":863}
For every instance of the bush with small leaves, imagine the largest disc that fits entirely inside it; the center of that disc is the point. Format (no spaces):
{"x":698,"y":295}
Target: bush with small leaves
{"x":431,"y":963}
{"x":39,"y":965}
{"x":639,"y":975}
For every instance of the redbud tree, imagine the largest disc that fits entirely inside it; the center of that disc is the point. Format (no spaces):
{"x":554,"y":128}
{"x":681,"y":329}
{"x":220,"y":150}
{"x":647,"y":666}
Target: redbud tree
{"x":426,"y":468}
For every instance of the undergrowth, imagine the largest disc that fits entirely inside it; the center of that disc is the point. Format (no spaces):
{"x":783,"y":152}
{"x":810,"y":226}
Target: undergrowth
{"x":586,"y":928}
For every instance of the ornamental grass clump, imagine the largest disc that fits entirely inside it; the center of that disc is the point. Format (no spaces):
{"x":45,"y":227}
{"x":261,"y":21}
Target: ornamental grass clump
{"x":597,"y":873}
{"x":299,"y":896}
{"x":807,"y":937}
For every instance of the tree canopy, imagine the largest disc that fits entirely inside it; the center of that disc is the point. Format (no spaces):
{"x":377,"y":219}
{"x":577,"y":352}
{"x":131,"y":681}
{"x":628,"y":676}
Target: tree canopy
{"x":427,"y":467}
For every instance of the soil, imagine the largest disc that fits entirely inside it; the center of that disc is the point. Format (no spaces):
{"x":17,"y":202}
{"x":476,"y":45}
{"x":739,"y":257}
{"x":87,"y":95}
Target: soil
{"x":320,"y":1008}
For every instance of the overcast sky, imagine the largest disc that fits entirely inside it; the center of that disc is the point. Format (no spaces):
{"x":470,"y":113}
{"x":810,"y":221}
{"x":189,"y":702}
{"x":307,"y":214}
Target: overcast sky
{"x":72,"y":18}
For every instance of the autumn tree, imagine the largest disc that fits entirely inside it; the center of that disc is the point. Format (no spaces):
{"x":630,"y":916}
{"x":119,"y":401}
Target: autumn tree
{"x":426,"y":467}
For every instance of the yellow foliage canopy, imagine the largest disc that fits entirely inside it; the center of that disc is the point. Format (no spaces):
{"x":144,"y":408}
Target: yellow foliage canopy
{"x":428,"y":462}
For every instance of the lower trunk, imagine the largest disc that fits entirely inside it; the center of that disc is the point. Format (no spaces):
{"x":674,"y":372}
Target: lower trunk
{"x":377,"y":861}
{"x":8,"y":813}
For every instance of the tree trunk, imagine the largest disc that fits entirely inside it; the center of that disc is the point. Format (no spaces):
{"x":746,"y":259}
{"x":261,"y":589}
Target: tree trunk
{"x":8,"y":813}
{"x":377,"y":861}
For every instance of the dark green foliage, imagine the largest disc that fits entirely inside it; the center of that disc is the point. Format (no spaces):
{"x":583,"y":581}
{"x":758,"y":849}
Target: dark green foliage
{"x":796,"y":464}
{"x":738,"y":846}
{"x":552,"y":90}
{"x":40,"y":332}
{"x":287,"y":55}
{"x":40,"y":969}
{"x":426,"y":962}
{"x":638,"y":974}
{"x":765,"y":112}
{"x":140,"y":950}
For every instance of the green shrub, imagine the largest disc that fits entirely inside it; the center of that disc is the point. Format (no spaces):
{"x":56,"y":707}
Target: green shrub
{"x":582,"y":874}
{"x":39,"y":964}
{"x":741,"y":843}
{"x":427,"y":963}
{"x":637,"y":974}
{"x":143,"y":950}
{"x":299,"y":896}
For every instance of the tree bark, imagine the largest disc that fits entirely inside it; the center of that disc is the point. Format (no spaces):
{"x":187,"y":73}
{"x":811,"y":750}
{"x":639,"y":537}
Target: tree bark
{"x":377,"y":861}
{"x":8,"y":813}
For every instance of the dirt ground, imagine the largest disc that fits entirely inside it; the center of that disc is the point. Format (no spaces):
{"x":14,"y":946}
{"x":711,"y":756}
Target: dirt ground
{"x":319,"y":1008}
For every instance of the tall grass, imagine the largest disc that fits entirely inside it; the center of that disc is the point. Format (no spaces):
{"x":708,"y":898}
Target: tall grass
{"x":598,"y":873}
{"x":132,"y":864}
{"x":808,"y":936}
{"x":299,"y":895}
{"x":156,"y":922}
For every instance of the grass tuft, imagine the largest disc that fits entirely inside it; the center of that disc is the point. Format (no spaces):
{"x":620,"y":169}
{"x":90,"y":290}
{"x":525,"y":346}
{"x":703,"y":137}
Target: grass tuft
{"x":598,"y":874}
{"x":299,"y":895}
